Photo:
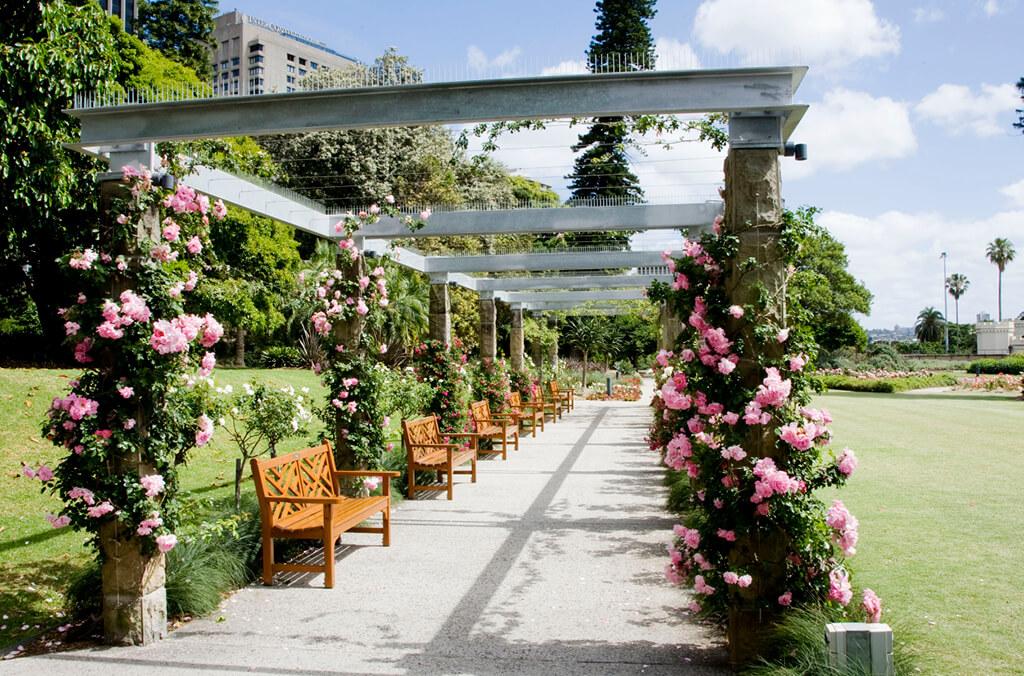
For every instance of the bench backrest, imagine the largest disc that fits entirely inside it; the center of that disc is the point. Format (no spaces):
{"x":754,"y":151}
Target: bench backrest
{"x":553,"y":386}
{"x":480,"y":411}
{"x":305,"y":473}
{"x":515,"y":400}
{"x":421,"y":431}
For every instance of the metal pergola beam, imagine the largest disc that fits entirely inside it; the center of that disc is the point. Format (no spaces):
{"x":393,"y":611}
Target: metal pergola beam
{"x":571,"y":296}
{"x":567,"y":282}
{"x":536,"y":221}
{"x":753,"y":91}
{"x":526,"y":262}
{"x":562,"y":306}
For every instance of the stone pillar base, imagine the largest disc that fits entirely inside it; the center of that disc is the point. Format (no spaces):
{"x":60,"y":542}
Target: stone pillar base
{"x":134,"y":599}
{"x":138,"y":620}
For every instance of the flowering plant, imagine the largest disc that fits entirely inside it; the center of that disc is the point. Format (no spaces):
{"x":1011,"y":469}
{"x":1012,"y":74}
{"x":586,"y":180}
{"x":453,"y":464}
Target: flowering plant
{"x":491,"y":382}
{"x":754,"y":451}
{"x":140,"y":404}
{"x":443,"y":368}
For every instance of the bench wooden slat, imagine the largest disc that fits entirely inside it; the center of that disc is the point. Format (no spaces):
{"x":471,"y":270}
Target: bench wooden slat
{"x":490,"y":427}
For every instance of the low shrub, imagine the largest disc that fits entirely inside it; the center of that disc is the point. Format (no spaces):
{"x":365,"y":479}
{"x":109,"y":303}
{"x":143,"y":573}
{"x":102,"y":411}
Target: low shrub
{"x":1008,"y":365}
{"x":884,"y":384}
{"x":280,"y":356}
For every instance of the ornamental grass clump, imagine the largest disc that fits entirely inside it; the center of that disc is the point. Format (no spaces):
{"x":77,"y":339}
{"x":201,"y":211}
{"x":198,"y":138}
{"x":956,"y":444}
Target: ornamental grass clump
{"x":756,"y":540}
{"x":142,"y":402}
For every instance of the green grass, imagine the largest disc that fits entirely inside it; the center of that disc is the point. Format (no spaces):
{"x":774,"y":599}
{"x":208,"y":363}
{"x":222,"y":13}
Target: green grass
{"x":37,"y":563}
{"x":938,"y":495}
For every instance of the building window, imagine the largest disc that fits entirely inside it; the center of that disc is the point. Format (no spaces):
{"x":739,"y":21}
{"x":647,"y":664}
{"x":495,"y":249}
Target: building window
{"x":235,"y":61}
{"x":291,"y":79}
{"x":215,"y":67}
{"x":302,"y":71}
{"x":224,"y":47}
{"x":255,"y":59}
{"x":291,"y":57}
{"x":224,"y":75}
{"x":234,"y":73}
{"x":223,"y":65}
{"x":302,"y":62}
{"x":115,"y":8}
{"x":254,"y":72}
{"x":314,"y":65}
{"x":255,"y":47}
{"x":290,"y":89}
{"x":291,"y":69}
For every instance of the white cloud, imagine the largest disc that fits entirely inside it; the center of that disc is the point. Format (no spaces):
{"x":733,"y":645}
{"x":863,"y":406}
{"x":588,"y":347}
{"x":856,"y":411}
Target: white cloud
{"x":849,"y":128}
{"x":1014,"y":191}
{"x":991,"y":7}
{"x":566,"y":68}
{"x":928,"y":14}
{"x":896,"y":255}
{"x":478,"y":61}
{"x":959,"y":110}
{"x":826,"y":33}
{"x":675,"y":55}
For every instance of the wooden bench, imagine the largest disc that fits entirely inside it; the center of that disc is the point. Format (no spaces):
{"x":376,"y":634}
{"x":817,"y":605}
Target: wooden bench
{"x":300,"y":498}
{"x":494,"y":427}
{"x":426,"y":451}
{"x":565,"y":399}
{"x":545,"y":406}
{"x":521,"y":412}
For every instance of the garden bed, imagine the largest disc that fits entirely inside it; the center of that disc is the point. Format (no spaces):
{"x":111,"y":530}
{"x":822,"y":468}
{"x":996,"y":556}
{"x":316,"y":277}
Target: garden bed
{"x":882,"y":381}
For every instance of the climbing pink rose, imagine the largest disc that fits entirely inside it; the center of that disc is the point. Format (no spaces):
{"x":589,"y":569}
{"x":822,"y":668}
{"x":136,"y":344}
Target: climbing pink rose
{"x":797,"y":363}
{"x":872,"y":605}
{"x":58,"y":521}
{"x":786,"y":599}
{"x":744,"y":581}
{"x":725,"y":367}
{"x":171,"y":230}
{"x":736,"y":311}
{"x":99,"y":510}
{"x":847,"y":462}
{"x":126,"y":392}
{"x":839,"y":587}
{"x":165,"y":543}
{"x":730,"y":577}
{"x":83,"y":494}
{"x":371,"y":483}
{"x":782,"y":336}
{"x":194,"y":245}
{"x":727,"y":535}
{"x":153,"y":484}
{"x":206,"y":365}
{"x":205,"y":430}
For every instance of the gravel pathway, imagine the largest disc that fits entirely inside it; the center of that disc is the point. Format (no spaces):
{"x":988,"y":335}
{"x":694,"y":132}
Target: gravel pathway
{"x":551,"y":563}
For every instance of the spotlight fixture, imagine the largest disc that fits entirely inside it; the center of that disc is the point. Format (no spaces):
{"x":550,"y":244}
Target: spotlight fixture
{"x":797,"y":150}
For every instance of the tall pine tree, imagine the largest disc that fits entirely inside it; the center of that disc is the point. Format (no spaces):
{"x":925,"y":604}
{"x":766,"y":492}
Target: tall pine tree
{"x":623,"y":43}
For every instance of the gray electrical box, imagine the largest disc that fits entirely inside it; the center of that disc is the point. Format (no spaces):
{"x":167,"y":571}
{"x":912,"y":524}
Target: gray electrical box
{"x":866,"y":648}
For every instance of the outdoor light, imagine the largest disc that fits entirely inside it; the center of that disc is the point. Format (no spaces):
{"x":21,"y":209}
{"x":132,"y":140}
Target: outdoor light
{"x":798,"y":150}
{"x":164,"y":179}
{"x":859,"y":647}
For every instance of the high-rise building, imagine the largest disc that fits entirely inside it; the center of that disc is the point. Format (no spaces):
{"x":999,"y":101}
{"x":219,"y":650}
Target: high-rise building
{"x":126,"y":10}
{"x":252,"y":56}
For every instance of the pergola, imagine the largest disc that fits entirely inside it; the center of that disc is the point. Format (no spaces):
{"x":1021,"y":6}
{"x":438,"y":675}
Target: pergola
{"x":759,"y":103}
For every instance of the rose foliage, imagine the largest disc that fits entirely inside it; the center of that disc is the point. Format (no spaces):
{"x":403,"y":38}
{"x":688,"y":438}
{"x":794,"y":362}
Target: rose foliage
{"x":141,"y":402}
{"x":710,"y":404}
{"x":443,"y":368}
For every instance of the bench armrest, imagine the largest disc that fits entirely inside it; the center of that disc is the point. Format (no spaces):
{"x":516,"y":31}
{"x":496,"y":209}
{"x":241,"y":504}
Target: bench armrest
{"x":436,"y":445}
{"x":311,"y":500}
{"x":366,"y":472}
{"x":458,"y":434}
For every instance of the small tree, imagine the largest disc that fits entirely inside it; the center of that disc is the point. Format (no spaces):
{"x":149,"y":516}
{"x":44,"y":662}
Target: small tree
{"x":957,"y":285}
{"x":180,"y":29}
{"x":1000,"y":252}
{"x":586,"y":334}
{"x":258,"y":419}
{"x":929,"y":325}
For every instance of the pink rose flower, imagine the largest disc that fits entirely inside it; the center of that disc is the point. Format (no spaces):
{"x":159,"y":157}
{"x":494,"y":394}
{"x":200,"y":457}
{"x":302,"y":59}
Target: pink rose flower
{"x":872,"y":605}
{"x":126,"y":392}
{"x":58,"y":521}
{"x":736,"y":311}
{"x":847,"y":462}
{"x":153,"y":484}
{"x":166,"y":543}
{"x":99,"y":510}
{"x":786,"y":599}
{"x":730,"y":577}
{"x":205,"y":430}
{"x":194,"y":245}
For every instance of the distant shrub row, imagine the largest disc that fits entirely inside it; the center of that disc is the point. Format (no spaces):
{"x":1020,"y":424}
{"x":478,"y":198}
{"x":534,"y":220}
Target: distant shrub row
{"x":889,"y":385}
{"x":1009,"y":365}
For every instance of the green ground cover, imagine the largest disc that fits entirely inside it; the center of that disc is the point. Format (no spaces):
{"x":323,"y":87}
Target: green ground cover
{"x":886,"y":385}
{"x":938,"y":495}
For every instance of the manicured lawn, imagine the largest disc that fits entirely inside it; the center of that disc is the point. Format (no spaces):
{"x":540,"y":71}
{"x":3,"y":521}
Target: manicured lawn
{"x":37,"y":561}
{"x":938,"y":494}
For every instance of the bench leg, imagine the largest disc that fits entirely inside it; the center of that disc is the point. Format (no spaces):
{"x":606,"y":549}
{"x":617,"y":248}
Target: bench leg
{"x":474,"y":469}
{"x":450,"y":482}
{"x":541,"y":422}
{"x":268,"y":560}
{"x":386,"y":515}
{"x":412,"y":482}
{"x":515,"y":435}
{"x":504,"y":447}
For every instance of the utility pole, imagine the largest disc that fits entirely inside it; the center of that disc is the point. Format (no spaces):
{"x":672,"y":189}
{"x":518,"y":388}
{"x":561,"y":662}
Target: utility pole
{"x":945,"y":300}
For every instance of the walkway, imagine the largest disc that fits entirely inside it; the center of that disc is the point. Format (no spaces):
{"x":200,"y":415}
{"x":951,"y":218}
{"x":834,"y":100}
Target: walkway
{"x":551,"y":563}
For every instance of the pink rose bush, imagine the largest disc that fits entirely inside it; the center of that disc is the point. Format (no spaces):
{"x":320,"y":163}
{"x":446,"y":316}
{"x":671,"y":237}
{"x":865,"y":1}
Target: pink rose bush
{"x":143,"y":354}
{"x":709,"y":406}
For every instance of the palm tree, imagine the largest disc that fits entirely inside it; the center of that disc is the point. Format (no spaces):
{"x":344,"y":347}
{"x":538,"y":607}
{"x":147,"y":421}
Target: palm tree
{"x":929,"y":325}
{"x":957,"y":285}
{"x":586,"y":334}
{"x":1000,"y":252}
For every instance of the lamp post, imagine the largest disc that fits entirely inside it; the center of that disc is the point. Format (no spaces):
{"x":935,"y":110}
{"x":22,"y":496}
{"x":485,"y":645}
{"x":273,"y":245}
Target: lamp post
{"x":945,"y":301}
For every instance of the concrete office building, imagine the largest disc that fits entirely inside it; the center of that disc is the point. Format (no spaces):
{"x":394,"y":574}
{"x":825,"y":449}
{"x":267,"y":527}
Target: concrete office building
{"x":255,"y":57}
{"x":126,"y":10}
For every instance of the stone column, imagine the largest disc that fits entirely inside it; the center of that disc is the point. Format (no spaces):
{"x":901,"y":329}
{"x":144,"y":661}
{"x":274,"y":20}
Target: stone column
{"x":753,"y":211}
{"x":553,"y":351}
{"x":440,"y":309}
{"x":488,"y":328}
{"x":132,"y":581}
{"x":516,"y":348}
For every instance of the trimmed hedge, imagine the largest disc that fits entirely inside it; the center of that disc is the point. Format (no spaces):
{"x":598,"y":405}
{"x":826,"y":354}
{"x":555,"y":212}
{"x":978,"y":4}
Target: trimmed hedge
{"x":885,"y":385}
{"x":1008,"y":365}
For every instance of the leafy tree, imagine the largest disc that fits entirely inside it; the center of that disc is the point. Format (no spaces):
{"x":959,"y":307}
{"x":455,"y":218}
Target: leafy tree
{"x":408,"y":317}
{"x":49,"y":52}
{"x":181,"y":30}
{"x":533,"y":192}
{"x":957,"y":284}
{"x":1000,"y":251}
{"x":587,"y":334}
{"x":928,"y":328}
{"x":623,"y":43}
{"x":1019,"y":124}
{"x":821,"y":284}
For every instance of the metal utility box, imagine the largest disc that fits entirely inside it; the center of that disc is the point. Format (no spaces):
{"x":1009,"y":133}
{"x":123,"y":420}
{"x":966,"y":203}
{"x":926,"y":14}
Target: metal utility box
{"x":860,"y":645}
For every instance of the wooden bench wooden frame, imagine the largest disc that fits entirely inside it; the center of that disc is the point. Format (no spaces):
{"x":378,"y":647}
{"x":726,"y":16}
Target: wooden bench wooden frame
{"x":522,"y":412}
{"x":426,"y":452}
{"x":300,"y":498}
{"x":546,"y":406}
{"x":494,"y":427}
{"x":566,"y":399}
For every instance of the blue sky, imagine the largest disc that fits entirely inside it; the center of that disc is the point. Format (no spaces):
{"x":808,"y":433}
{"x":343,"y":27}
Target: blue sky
{"x":912,"y":152}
